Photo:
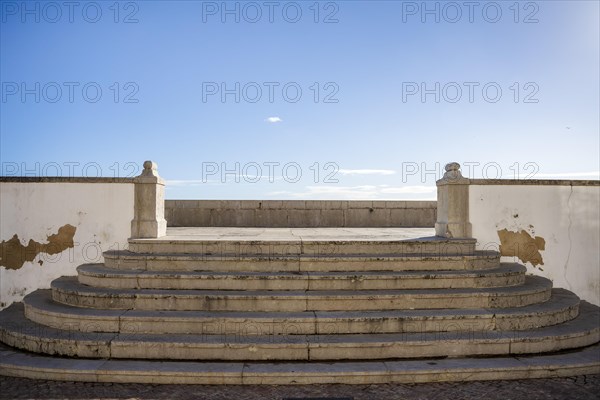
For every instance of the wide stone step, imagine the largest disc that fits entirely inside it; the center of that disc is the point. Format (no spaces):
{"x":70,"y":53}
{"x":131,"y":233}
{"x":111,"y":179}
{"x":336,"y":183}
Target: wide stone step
{"x":68,"y":290}
{"x":40,"y":308}
{"x":98,"y":275}
{"x":302,"y":241}
{"x":28,"y":365}
{"x":19,"y":332}
{"x":168,"y":261}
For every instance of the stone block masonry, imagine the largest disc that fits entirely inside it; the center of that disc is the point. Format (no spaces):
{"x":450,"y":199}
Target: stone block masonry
{"x":300,"y":213}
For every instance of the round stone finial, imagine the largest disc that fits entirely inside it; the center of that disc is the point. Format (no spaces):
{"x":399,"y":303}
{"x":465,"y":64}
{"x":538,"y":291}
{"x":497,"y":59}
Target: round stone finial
{"x":453,"y":166}
{"x":150,"y":169}
{"x":453,"y":174}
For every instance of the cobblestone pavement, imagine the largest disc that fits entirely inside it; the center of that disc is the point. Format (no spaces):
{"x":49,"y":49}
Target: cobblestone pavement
{"x":580,"y":388}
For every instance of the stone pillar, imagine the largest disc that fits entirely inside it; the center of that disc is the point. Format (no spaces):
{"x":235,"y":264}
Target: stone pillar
{"x":149,"y":204}
{"x":453,"y":204}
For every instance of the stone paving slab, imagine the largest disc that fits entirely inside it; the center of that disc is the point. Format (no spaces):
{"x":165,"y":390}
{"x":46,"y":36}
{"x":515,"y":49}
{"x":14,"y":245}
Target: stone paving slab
{"x":286,"y":241}
{"x":561,"y":364}
{"x":26,"y":334}
{"x":585,"y":387}
{"x":296,"y":234}
{"x":67,"y":290}
{"x":299,"y":262}
{"x":39,"y":308}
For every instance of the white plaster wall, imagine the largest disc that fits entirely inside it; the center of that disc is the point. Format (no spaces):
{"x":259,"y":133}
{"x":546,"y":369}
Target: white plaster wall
{"x":101,"y":212}
{"x":567,"y":217}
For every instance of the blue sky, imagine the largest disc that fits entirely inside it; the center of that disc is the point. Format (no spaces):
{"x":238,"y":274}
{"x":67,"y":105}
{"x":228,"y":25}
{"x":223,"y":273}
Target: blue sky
{"x":375,"y":96}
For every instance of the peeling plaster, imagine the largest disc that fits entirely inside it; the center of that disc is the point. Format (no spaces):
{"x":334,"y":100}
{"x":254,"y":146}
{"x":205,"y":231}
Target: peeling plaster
{"x":522,"y":245}
{"x":566,"y":215}
{"x":13,"y":254}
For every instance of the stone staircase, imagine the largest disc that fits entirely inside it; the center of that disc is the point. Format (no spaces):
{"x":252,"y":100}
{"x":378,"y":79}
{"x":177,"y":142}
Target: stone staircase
{"x":290,"y":306}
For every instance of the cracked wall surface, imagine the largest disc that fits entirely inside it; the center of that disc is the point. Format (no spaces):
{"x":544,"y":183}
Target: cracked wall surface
{"x":553,"y":228}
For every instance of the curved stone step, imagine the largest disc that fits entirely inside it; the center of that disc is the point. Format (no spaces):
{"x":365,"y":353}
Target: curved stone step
{"x":40,"y":308}
{"x":128,"y":260}
{"x":299,"y":241}
{"x":98,"y":275}
{"x":34,"y":366}
{"x":68,"y":290}
{"x":19,"y":332}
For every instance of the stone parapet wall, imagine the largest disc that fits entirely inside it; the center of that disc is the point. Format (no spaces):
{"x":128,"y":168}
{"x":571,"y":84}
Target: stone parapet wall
{"x":300,"y":213}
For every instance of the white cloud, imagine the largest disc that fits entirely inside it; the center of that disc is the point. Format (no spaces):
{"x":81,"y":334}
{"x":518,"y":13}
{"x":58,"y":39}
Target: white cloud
{"x":367,"y":172}
{"x":273,"y":120}
{"x":409,"y":189}
{"x":363,"y":192}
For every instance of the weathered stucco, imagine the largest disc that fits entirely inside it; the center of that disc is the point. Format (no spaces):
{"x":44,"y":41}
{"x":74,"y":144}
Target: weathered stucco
{"x":521,"y":245}
{"x":566,"y":217}
{"x":13,"y":254}
{"x":47,"y":229}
